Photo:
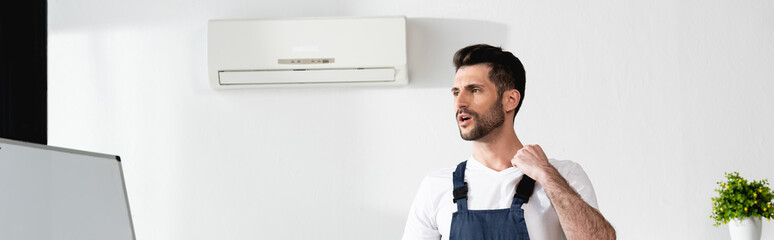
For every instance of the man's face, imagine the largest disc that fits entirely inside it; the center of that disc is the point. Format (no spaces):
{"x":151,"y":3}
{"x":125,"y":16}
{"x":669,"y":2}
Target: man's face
{"x":476,"y":101}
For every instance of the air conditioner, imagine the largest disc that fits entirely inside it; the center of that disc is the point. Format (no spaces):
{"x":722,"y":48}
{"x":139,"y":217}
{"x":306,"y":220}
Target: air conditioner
{"x":307,"y":52}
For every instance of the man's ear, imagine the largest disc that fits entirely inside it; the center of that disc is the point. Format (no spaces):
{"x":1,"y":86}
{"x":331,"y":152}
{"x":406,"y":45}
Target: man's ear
{"x":511,"y":100}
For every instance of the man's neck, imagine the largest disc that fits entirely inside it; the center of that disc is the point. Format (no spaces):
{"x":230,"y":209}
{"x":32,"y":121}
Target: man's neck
{"x":497,"y":149}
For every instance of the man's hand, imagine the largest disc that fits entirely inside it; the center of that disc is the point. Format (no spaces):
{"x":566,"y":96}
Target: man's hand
{"x":532,"y":161}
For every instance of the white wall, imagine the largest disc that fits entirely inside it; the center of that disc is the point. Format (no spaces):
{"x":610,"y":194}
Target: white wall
{"x":656,"y":99}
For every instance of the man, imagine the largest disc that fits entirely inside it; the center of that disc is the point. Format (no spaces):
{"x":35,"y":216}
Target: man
{"x":505,"y":190}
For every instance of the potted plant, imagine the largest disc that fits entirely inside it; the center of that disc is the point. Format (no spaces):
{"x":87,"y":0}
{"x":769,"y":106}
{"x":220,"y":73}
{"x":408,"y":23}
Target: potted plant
{"x":742,"y":204}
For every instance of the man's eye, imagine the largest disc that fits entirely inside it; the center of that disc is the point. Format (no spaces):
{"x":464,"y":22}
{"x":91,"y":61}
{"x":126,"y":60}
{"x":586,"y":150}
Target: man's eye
{"x":455,"y":93}
{"x":475,"y":90}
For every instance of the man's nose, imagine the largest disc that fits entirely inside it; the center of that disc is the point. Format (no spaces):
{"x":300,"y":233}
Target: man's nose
{"x":461,"y":101}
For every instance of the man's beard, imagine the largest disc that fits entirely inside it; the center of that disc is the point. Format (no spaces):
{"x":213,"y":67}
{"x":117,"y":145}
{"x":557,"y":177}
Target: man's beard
{"x":493,"y":118}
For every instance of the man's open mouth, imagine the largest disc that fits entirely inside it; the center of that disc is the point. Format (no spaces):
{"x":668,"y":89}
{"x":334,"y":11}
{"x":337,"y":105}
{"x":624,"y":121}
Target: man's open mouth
{"x":463,"y":119}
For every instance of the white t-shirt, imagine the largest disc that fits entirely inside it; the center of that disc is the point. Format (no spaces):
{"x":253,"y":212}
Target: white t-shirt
{"x":431,"y":213}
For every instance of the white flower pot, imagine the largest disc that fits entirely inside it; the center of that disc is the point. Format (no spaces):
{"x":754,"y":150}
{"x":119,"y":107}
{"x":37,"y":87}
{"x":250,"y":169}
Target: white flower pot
{"x":746,"y":229}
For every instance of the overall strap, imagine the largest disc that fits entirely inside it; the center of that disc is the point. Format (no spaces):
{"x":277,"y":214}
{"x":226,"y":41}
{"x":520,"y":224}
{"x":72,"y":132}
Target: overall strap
{"x":460,"y":187}
{"x":523,"y":192}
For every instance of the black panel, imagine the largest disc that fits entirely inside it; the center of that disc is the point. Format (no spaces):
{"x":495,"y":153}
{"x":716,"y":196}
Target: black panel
{"x":23,"y":86}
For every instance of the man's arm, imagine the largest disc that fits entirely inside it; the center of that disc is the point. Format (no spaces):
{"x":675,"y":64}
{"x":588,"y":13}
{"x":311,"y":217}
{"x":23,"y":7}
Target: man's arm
{"x":578,"y":219}
{"x":420,"y":225}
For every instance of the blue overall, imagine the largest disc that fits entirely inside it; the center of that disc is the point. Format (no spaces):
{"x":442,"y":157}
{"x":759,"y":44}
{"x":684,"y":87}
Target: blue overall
{"x":495,"y":224}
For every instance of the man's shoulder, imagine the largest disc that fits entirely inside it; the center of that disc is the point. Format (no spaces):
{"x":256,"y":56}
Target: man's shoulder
{"x":442,"y":176}
{"x":574,"y":174}
{"x":436,"y":186}
{"x":564,"y":166}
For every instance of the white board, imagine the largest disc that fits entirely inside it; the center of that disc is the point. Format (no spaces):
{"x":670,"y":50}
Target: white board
{"x":55,"y":193}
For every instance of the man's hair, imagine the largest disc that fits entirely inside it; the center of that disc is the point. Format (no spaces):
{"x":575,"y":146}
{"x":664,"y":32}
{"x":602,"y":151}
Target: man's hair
{"x":507,"y":71}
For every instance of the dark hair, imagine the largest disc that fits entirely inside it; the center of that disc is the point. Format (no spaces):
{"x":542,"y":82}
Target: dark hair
{"x":507,"y":71}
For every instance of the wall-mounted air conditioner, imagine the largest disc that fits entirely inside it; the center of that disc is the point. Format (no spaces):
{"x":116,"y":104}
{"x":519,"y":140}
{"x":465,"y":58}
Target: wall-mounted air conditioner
{"x":307,"y":52}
